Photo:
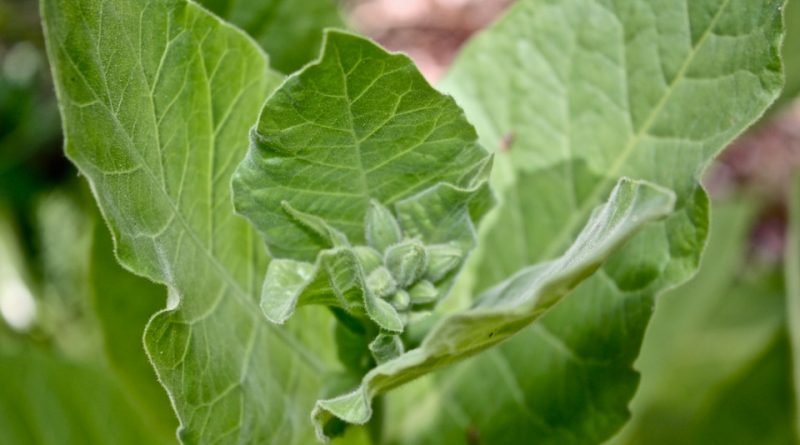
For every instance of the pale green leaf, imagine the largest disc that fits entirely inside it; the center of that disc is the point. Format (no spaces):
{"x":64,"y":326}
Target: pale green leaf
{"x":156,"y":100}
{"x":575,"y":94}
{"x":358,"y":124}
{"x":792,"y":271}
{"x":45,"y":400}
{"x":791,"y":52}
{"x":289,"y":30}
{"x":510,"y":306}
{"x":123,"y":304}
{"x":715,"y":361}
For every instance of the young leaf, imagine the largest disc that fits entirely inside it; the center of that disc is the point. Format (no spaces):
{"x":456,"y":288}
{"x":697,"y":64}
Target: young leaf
{"x":512,"y":305}
{"x":359,"y":124}
{"x":156,"y":99}
{"x":380,"y":165}
{"x":575,"y":94}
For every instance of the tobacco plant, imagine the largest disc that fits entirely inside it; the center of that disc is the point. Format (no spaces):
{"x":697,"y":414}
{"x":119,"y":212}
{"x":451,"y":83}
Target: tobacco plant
{"x":330,"y":236}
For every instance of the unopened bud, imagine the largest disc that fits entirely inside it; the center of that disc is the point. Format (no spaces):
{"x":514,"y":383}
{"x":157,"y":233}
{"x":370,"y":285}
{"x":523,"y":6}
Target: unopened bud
{"x":442,"y":259}
{"x":401,"y":300}
{"x":407,"y":261}
{"x":423,"y":293}
{"x":369,"y":258}
{"x":381,"y":228}
{"x":386,"y":347}
{"x":381,"y":282}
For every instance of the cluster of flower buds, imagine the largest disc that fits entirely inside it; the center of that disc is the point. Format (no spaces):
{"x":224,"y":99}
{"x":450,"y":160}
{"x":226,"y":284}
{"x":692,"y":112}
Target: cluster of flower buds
{"x":401,"y":270}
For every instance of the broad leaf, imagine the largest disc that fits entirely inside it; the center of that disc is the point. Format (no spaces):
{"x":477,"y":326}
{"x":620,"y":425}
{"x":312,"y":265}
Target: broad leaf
{"x":791,"y":52}
{"x":289,"y":30}
{"x":575,"y":94}
{"x":49,"y":401}
{"x":715,"y":361}
{"x":510,"y":306}
{"x":359,"y":124}
{"x":156,"y":100}
{"x":792,"y":272}
{"x":123,"y":304}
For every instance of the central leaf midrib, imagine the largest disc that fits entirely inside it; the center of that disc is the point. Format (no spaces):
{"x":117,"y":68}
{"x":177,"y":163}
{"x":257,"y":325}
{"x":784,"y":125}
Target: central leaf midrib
{"x":351,"y":128}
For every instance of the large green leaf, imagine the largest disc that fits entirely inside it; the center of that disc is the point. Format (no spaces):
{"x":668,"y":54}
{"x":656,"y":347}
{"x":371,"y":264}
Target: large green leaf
{"x":359,"y":124}
{"x":123,"y":304}
{"x":715,"y":361}
{"x":289,"y":30}
{"x":46,"y":400}
{"x":792,"y":272}
{"x":156,"y":100}
{"x":575,"y":94}
{"x":791,"y":51}
{"x":506,"y":309}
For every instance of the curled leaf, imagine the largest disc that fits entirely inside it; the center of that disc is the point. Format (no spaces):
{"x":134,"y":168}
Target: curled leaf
{"x":510,"y":306}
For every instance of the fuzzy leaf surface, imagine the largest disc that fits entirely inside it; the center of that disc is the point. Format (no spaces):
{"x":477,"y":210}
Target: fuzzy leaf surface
{"x":358,"y":124}
{"x":573,"y":95}
{"x":156,"y":100}
{"x":510,"y":306}
{"x":356,"y":139}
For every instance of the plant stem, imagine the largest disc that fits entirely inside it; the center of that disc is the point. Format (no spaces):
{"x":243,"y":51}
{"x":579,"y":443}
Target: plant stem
{"x":375,"y":425}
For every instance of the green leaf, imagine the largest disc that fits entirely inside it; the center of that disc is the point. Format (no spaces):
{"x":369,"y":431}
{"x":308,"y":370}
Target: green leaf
{"x":791,"y":52}
{"x":156,"y":101}
{"x":716,"y":361}
{"x":355,"y":158}
{"x":289,"y":30}
{"x":358,"y":124}
{"x":575,"y":94}
{"x":792,"y":272}
{"x":509,"y":307}
{"x":46,"y":400}
{"x":123,"y":304}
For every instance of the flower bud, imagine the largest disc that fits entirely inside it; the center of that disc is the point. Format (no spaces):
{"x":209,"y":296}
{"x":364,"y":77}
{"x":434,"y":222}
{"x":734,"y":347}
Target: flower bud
{"x":401,"y":300}
{"x":369,"y":258}
{"x":381,"y":228}
{"x":407,"y":261}
{"x":386,"y":347}
{"x":442,"y":259}
{"x":423,"y":293}
{"x":381,"y":282}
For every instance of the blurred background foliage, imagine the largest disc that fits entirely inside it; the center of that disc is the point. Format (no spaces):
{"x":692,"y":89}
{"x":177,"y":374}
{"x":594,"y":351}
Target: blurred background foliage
{"x":717,"y":361}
